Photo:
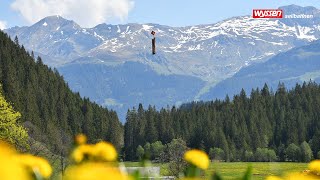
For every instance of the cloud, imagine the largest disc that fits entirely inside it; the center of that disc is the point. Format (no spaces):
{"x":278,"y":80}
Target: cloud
{"x":3,"y":25}
{"x":87,"y":13}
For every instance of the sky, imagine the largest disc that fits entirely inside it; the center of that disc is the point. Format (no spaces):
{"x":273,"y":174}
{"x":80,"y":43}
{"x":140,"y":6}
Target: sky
{"x":89,"y":13}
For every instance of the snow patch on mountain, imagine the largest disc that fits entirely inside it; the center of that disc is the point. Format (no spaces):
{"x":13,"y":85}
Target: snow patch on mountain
{"x":146,"y":27}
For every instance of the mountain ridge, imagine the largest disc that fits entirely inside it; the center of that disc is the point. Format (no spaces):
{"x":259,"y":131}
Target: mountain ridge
{"x":298,"y":65}
{"x":99,"y":43}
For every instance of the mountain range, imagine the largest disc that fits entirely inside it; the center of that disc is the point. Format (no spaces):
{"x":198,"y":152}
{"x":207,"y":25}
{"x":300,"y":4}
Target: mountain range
{"x":113,"y":64}
{"x":298,"y":65}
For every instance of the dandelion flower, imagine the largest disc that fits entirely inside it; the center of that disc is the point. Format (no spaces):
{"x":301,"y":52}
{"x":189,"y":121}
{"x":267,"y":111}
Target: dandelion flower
{"x":273,"y":178}
{"x":79,"y":153}
{"x":315,"y":165}
{"x":198,"y":158}
{"x":105,"y":151}
{"x":35,"y":164}
{"x":10,"y":169}
{"x":6,"y":149}
{"x":81,"y":139}
{"x":102,"y":151}
{"x":87,"y":171}
{"x":299,"y":176}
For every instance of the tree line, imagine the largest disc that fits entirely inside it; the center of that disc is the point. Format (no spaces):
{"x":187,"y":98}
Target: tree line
{"x":264,"y":126}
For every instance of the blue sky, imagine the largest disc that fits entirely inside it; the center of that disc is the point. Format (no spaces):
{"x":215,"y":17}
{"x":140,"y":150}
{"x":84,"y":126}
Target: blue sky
{"x":191,"y":12}
{"x":167,"y":12}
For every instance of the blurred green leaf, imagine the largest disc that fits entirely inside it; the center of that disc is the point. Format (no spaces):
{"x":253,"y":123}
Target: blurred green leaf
{"x":216,"y":176}
{"x":248,"y":174}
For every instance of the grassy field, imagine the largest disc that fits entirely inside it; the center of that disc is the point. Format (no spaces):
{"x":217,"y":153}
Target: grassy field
{"x":260,"y":170}
{"x":235,"y":170}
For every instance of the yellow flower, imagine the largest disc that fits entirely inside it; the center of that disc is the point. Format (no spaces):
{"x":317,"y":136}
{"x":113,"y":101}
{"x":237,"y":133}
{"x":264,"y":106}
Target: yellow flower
{"x":81,"y":139}
{"x":105,"y":151}
{"x":81,"y":151}
{"x":315,"y":165}
{"x":273,"y":178}
{"x":89,"y":171}
{"x":10,"y":169}
{"x":102,"y":151}
{"x":35,"y":164}
{"x":6,"y":149}
{"x":197,"y":158}
{"x":299,"y":176}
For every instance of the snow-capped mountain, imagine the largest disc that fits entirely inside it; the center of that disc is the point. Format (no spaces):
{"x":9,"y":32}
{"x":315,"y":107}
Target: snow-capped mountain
{"x":206,"y":53}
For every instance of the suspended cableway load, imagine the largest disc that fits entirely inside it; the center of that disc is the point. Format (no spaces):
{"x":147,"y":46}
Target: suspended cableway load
{"x":153,"y":42}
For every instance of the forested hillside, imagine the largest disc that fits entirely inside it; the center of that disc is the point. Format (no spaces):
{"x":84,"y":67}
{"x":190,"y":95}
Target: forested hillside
{"x":50,"y":111}
{"x":282,"y":123}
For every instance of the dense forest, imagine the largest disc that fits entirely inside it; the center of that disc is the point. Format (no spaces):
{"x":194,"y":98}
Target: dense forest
{"x":264,"y":126}
{"x":51,"y":113}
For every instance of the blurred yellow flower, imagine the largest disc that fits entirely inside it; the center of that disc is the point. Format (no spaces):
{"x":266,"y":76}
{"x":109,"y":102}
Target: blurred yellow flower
{"x":81,"y":151}
{"x":35,"y":164}
{"x":6,"y":149}
{"x":89,"y":171}
{"x":102,"y":151}
{"x":315,"y":165}
{"x":197,"y":158}
{"x":105,"y":151}
{"x":273,"y":178}
{"x":10,"y":169}
{"x":81,"y":139}
{"x":300,"y":176}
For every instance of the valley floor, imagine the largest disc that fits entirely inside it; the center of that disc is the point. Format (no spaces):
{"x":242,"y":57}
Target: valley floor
{"x":235,"y":170}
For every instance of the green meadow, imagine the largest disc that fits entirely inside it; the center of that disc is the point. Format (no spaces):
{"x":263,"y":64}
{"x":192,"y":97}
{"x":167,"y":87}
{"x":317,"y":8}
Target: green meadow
{"x":235,"y":170}
{"x":261,"y":170}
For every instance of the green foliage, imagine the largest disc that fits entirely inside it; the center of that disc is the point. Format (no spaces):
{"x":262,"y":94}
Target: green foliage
{"x":248,"y":174}
{"x":265,"y":155}
{"x":306,"y":152}
{"x":272,"y":155}
{"x":216,"y":176}
{"x":147,"y":150}
{"x":140,"y":152}
{"x":293,"y":152}
{"x":156,"y":149}
{"x":248,"y":155}
{"x":175,"y":151}
{"x":10,"y":129}
{"x":216,"y":154}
